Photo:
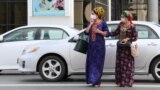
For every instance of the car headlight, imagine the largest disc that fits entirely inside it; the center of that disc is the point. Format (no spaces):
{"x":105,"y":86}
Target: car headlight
{"x":30,"y":50}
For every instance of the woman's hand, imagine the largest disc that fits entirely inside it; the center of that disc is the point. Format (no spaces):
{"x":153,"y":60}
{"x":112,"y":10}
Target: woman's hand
{"x":90,"y":25}
{"x":96,"y":30}
{"x":91,"y":22}
{"x":100,"y":32}
{"x":125,"y":40}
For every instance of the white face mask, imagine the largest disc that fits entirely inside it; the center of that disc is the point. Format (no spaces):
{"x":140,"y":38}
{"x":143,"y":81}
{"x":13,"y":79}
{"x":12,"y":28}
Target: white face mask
{"x":123,"y":20}
{"x":93,"y":17}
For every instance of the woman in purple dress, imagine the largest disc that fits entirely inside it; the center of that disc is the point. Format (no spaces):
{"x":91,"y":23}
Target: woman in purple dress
{"x":96,"y":49}
{"x":124,"y":60}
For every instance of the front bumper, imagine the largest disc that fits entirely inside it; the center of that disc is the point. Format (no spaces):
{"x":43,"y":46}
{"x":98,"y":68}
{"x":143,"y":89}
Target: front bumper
{"x":28,"y":63}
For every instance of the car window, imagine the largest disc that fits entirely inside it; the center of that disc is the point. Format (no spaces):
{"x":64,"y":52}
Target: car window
{"x":25,"y":34}
{"x":52,"y":33}
{"x":112,"y":27}
{"x":29,"y":34}
{"x":145,"y":32}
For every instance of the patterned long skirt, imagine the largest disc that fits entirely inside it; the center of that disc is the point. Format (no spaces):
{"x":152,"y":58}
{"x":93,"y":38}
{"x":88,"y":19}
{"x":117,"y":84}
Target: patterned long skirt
{"x":124,"y":67}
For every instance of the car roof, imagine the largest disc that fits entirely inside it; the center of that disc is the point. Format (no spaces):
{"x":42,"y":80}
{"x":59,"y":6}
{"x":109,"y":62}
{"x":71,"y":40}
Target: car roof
{"x":69,"y":30}
{"x":62,"y":26}
{"x":135,"y":22}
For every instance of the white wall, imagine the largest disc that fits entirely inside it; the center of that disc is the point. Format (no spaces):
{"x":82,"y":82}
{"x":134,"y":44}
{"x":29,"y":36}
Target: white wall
{"x":67,"y":20}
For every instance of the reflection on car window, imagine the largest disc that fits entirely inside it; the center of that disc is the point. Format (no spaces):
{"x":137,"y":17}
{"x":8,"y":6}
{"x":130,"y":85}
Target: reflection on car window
{"x":112,"y":28}
{"x":84,"y":36}
{"x":25,"y":34}
{"x":52,"y":33}
{"x":145,"y":32}
{"x":28,"y":34}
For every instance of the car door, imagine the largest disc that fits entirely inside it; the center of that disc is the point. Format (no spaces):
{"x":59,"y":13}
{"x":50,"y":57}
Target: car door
{"x":148,"y":44}
{"x":78,"y":60}
{"x":111,"y":47}
{"x":13,"y":44}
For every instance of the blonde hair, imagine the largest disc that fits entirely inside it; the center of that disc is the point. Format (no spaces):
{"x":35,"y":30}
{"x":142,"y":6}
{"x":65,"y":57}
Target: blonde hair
{"x":99,"y":11}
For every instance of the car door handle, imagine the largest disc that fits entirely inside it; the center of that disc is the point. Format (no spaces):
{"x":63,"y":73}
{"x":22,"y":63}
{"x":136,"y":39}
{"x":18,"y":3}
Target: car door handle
{"x":110,"y":45}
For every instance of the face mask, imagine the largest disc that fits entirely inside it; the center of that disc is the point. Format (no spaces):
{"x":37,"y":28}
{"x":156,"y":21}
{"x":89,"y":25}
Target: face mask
{"x":93,"y":17}
{"x":123,"y":20}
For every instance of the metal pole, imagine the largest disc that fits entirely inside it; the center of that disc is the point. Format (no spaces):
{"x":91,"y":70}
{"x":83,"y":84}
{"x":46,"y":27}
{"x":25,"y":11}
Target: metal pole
{"x":153,"y":10}
{"x":110,"y":8}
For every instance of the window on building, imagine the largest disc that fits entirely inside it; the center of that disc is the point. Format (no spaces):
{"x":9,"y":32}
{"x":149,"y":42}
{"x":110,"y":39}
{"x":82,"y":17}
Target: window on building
{"x":82,"y":10}
{"x":104,"y":4}
{"x":13,"y":13}
{"x":137,"y":7}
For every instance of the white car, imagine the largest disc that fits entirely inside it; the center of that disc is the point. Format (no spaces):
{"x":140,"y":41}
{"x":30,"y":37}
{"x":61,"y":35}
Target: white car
{"x":57,"y":59}
{"x":12,"y":43}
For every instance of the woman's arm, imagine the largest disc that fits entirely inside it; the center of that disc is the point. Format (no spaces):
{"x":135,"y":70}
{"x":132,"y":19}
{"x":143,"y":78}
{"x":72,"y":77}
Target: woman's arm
{"x":116,"y":32}
{"x":89,"y":27}
{"x":103,"y":33}
{"x":104,"y":30}
{"x":134,"y":34}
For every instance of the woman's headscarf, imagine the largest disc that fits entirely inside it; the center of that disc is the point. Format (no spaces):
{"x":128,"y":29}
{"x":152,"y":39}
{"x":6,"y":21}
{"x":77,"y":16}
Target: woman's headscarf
{"x":99,"y":11}
{"x":128,"y":15}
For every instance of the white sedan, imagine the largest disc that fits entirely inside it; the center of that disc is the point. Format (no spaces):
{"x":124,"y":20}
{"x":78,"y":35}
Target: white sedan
{"x":12,"y":43}
{"x":57,"y":59}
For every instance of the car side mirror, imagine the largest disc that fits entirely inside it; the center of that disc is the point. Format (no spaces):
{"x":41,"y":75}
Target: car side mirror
{"x":76,"y":38}
{"x":1,"y":38}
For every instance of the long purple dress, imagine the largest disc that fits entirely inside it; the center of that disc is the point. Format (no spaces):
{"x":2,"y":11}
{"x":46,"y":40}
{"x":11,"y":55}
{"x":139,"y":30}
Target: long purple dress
{"x":124,"y":60}
{"x":96,"y":56}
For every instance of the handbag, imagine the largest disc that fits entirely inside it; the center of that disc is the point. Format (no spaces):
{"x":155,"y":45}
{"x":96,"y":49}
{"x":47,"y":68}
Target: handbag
{"x":134,"y":49}
{"x":121,"y":44}
{"x":133,"y":46}
{"x":82,"y":44}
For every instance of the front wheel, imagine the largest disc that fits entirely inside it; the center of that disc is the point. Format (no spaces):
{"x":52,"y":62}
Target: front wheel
{"x":155,"y":69}
{"x":52,"y":68}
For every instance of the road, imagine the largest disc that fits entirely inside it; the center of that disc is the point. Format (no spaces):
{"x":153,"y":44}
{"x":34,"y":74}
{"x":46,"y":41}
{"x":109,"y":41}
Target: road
{"x":13,"y":80}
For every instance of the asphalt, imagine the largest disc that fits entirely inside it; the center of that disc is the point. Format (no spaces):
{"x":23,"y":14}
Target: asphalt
{"x":14,"y":80}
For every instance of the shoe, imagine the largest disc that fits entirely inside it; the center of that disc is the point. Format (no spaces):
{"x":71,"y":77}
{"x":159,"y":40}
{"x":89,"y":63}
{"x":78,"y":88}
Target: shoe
{"x":97,"y":86}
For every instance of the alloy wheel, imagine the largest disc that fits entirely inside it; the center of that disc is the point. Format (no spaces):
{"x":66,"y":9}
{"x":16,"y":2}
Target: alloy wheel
{"x":51,"y":69}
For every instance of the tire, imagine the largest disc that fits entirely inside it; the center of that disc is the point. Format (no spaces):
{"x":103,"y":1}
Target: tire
{"x":155,"y":69}
{"x":52,"y":68}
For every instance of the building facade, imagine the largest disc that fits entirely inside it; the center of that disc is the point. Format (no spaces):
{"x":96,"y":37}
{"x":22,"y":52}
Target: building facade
{"x":15,"y":13}
{"x":142,"y":10}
